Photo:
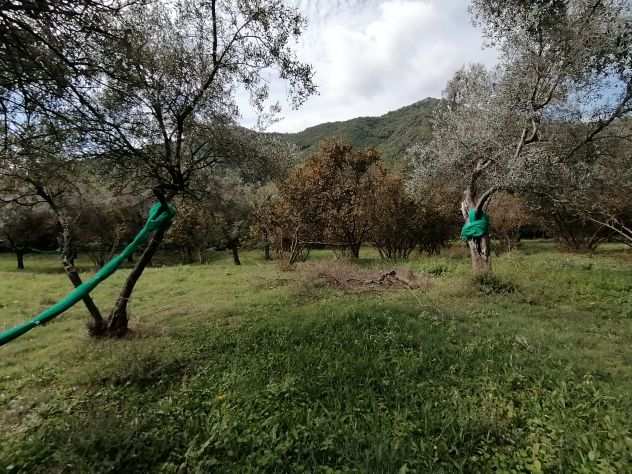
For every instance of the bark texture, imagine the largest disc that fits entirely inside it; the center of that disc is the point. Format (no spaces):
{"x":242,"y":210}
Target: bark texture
{"x":480,"y":247}
{"x":235,"y":250}
{"x":266,"y":251}
{"x":480,"y":254}
{"x":118,"y":321}
{"x":19,"y":254}
{"x":355,"y":249}
{"x":96,"y":326}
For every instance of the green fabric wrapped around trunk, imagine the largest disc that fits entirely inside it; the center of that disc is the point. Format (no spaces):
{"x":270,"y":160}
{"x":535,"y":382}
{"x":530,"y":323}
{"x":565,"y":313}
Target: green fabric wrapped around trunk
{"x":475,"y":226}
{"x":159,"y":217}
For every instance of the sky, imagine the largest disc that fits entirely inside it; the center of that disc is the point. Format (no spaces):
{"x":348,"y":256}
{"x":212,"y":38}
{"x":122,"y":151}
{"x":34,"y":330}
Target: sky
{"x":373,"y":56}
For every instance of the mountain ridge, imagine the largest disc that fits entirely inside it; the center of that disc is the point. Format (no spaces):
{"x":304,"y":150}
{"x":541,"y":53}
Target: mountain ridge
{"x":391,"y":133}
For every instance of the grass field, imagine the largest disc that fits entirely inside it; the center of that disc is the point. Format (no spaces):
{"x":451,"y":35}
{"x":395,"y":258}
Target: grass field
{"x":252,"y":369}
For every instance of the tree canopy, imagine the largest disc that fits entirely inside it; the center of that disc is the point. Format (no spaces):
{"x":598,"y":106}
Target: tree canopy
{"x":564,"y":78}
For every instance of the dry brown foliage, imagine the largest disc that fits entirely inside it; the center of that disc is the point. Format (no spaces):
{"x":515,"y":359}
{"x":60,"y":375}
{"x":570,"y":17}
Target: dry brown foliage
{"x":348,"y":277}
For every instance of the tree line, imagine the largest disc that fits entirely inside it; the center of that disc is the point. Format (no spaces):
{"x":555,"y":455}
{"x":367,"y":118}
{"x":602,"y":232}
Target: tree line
{"x":339,"y":198}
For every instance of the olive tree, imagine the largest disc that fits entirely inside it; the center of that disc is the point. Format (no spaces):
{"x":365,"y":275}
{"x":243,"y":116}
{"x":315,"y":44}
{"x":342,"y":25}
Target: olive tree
{"x":594,"y":191}
{"x":164,"y":115}
{"x":49,"y":56}
{"x":24,"y":228}
{"x":147,"y":89}
{"x":232,"y":214}
{"x":47,"y":43}
{"x":106,"y":222}
{"x":564,"y":79}
{"x":262,"y":228}
{"x":36,"y":170}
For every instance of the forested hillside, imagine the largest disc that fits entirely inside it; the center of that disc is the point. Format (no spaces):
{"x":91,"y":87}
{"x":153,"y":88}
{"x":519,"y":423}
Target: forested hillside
{"x":392,"y":133}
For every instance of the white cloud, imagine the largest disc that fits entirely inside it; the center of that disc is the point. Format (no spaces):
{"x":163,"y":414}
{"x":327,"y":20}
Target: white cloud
{"x":373,"y":56}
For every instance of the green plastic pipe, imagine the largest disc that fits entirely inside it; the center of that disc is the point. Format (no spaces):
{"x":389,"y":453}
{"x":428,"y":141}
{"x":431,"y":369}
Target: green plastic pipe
{"x":159,"y":218}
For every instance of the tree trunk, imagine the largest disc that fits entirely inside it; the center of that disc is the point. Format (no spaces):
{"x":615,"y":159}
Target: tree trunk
{"x":19,"y":253}
{"x":117,"y":325}
{"x":188,"y":255}
{"x":235,"y":250}
{"x":355,"y":249}
{"x":480,"y":247}
{"x":266,"y":251}
{"x":96,"y":326}
{"x":480,"y":254}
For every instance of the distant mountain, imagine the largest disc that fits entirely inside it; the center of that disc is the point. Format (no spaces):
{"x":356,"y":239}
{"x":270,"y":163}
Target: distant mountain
{"x":392,"y":133}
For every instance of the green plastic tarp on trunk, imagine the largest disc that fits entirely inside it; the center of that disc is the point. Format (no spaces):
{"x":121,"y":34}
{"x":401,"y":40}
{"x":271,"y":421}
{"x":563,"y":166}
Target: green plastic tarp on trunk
{"x":476,"y":226}
{"x":159,"y":218}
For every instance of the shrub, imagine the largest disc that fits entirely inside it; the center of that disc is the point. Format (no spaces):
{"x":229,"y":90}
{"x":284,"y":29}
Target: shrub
{"x":571,"y":229}
{"x":396,"y":220}
{"x":327,"y":200}
{"x":492,"y":284}
{"x":509,"y":214}
{"x":438,"y":214}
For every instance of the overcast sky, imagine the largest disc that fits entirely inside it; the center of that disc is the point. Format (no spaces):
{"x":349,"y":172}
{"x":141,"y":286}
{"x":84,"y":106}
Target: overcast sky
{"x":372,"y":56}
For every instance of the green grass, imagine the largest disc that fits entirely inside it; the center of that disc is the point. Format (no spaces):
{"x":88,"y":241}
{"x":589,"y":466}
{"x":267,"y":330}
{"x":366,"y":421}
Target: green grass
{"x":250,"y":369}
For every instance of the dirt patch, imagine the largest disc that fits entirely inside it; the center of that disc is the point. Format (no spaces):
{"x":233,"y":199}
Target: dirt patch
{"x":347,"y":276}
{"x":273,"y":284}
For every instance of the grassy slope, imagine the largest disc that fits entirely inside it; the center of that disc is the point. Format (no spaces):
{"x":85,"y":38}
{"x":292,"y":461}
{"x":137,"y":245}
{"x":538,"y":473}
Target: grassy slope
{"x":246,"y":369}
{"x":392,"y":133}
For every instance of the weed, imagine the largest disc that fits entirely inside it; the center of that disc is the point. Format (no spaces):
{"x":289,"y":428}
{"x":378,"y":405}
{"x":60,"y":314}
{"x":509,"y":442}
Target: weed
{"x":438,"y":270}
{"x":491,"y":284}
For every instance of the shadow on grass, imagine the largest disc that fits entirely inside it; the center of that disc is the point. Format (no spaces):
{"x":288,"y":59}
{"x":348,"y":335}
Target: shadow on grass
{"x":369,"y":387}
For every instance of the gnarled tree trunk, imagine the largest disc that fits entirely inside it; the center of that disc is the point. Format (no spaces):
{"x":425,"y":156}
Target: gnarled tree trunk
{"x":96,"y":326}
{"x":354,"y":248}
{"x":117,"y":324}
{"x":266,"y":251}
{"x":19,"y":254}
{"x":234,"y":247}
{"x":267,"y":245}
{"x":480,"y":247}
{"x":480,"y":254}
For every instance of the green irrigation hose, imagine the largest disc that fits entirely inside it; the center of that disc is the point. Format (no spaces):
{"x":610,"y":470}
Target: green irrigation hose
{"x":476,"y":225}
{"x":159,"y":218}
